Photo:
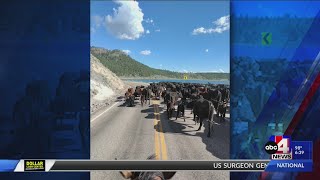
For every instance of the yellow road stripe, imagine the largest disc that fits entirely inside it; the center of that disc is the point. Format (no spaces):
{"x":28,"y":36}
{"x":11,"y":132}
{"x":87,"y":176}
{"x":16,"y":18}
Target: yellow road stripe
{"x":156,"y":141}
{"x":156,"y":134}
{"x":160,"y":144}
{"x":164,"y":155}
{"x":156,"y":102}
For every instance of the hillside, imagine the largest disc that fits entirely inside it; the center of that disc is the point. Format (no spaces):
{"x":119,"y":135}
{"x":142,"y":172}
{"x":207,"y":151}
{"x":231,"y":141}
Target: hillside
{"x":104,"y":84}
{"x":126,"y":67}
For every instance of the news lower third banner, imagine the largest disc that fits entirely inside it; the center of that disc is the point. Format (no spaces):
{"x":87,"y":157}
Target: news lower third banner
{"x":152,"y":165}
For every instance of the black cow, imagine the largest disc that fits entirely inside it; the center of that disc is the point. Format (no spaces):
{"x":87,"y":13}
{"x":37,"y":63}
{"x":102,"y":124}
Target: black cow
{"x":216,"y":98}
{"x":145,"y":95}
{"x":137,"y":91}
{"x":171,"y":99}
{"x":157,"y":91}
{"x":225,"y":94}
{"x":222,"y":109}
{"x":181,"y":109}
{"x":202,"y":109}
{"x":130,"y":101}
{"x":170,"y":109}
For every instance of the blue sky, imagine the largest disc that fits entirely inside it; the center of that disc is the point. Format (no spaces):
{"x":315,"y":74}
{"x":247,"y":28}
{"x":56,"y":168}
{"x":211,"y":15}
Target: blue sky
{"x":180,"y":36}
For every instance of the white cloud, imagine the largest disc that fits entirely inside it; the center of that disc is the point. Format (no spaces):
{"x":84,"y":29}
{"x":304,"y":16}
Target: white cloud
{"x":200,"y":30}
{"x":157,"y":30}
{"x":222,"y":24}
{"x":126,"y":21}
{"x":150,"y":21}
{"x":147,"y":32}
{"x":145,"y":52}
{"x":224,"y":21}
{"x":207,"y":50}
{"x":126,"y":51}
{"x":96,"y":20}
{"x":220,"y":70}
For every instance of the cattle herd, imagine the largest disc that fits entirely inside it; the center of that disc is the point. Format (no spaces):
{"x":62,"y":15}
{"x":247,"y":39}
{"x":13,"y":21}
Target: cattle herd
{"x":206,"y":101}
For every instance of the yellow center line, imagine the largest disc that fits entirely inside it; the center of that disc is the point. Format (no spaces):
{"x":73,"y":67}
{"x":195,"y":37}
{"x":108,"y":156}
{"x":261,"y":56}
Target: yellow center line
{"x":160,"y":144}
{"x":157,"y":142}
{"x":156,"y":135}
{"x":164,"y":154}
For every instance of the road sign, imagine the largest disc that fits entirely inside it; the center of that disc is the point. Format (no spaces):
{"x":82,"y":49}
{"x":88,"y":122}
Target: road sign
{"x":266,"y":38}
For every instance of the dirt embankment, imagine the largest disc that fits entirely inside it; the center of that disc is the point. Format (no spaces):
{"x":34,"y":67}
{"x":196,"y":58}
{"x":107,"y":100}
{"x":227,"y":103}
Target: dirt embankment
{"x":105,"y":85}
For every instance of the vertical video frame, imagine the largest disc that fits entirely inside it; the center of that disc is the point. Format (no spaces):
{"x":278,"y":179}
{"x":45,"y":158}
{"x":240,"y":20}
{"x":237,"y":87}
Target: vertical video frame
{"x":160,"y":86}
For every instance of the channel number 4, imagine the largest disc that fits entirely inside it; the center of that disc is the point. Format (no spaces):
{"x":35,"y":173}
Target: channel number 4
{"x":283,"y":146}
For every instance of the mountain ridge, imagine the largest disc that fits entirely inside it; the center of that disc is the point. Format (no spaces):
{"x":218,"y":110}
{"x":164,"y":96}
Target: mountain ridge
{"x":125,"y":66}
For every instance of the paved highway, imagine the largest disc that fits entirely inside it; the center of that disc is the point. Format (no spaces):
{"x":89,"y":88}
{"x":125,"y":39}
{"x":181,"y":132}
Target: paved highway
{"x":134,"y":133}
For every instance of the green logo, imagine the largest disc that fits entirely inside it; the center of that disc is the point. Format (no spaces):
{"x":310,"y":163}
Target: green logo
{"x":266,"y":38}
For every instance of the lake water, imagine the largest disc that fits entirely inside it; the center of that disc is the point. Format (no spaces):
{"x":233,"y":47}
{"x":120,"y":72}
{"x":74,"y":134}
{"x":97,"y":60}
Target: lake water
{"x":179,"y":80}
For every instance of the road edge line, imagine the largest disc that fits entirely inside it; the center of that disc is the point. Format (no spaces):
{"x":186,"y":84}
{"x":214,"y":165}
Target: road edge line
{"x":103,"y":112}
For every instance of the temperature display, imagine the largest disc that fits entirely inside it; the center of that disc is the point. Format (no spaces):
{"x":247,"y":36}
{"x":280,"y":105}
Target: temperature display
{"x":302,"y":149}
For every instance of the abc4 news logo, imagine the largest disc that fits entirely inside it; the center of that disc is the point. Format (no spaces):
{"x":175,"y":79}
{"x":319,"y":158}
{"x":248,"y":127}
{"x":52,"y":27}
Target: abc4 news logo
{"x":280,"y":150}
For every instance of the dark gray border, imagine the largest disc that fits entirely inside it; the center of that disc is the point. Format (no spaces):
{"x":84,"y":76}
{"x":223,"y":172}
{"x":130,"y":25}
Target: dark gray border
{"x":86,"y":165}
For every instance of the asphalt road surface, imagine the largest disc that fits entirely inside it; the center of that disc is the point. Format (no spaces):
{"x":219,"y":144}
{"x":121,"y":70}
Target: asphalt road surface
{"x":134,"y":133}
